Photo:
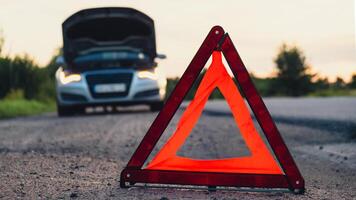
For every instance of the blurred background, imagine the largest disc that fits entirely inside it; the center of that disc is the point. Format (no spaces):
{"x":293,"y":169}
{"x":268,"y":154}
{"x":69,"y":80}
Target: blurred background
{"x":291,"y":48}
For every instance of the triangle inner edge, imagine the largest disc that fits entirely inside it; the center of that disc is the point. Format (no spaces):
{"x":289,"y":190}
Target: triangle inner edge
{"x":219,"y":141}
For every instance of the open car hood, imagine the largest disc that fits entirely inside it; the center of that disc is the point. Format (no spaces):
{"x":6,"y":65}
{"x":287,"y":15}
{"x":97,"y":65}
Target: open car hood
{"x":108,"y":29}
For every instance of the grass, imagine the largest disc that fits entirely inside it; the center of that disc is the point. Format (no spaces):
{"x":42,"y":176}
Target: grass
{"x":334,"y":92}
{"x":20,"y":107}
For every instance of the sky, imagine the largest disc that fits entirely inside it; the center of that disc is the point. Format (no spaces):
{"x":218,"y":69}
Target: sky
{"x":323,"y":29}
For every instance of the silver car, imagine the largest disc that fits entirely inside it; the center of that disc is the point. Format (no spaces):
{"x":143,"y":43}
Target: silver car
{"x":108,"y":59}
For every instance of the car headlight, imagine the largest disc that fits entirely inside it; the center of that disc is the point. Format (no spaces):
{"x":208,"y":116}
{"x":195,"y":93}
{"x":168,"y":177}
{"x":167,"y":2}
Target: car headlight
{"x":66,"y":77}
{"x":147,"y":74}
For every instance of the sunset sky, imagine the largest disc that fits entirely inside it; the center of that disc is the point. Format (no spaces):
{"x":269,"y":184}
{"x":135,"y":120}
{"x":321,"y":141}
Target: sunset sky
{"x":323,"y":29}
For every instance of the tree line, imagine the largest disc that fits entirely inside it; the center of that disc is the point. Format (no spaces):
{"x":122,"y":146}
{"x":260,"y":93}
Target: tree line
{"x":22,"y":75}
{"x":292,"y":78}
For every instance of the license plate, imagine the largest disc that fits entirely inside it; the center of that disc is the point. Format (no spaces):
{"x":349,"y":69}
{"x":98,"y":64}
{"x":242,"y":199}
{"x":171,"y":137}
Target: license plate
{"x":110,"y":88}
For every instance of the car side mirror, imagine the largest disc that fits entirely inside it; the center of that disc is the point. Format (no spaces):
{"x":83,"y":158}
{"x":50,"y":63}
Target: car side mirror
{"x":60,"y":60}
{"x":161,"y":56}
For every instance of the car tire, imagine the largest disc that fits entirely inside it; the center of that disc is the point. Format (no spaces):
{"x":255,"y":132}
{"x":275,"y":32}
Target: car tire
{"x":64,"y":111}
{"x":157,"y":106}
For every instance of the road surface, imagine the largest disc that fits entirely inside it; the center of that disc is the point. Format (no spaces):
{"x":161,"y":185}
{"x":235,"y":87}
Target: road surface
{"x":81,"y":157}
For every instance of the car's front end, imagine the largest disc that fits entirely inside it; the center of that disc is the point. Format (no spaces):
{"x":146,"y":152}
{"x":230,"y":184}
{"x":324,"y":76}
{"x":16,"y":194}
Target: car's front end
{"x":121,"y":87}
{"x":108,"y":60}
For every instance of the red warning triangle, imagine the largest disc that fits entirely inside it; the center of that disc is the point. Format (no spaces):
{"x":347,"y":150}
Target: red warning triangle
{"x":261,"y":161}
{"x":258,"y":170}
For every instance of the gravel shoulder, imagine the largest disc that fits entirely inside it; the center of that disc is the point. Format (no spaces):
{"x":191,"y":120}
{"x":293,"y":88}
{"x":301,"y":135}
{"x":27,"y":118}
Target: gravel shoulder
{"x":81,"y":157}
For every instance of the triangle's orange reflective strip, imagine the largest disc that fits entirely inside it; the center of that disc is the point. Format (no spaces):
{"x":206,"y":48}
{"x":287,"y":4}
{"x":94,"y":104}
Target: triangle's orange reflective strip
{"x":260,"y":161}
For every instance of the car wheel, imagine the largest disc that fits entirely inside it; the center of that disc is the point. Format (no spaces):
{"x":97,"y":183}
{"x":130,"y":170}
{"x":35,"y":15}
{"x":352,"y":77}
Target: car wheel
{"x":157,"y":106}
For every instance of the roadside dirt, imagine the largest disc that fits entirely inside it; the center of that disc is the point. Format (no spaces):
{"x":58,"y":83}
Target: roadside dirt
{"x":46,"y":157}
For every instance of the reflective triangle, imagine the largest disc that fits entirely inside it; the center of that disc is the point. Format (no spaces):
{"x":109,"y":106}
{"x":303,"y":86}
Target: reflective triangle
{"x":261,"y":161}
{"x":258,"y":170}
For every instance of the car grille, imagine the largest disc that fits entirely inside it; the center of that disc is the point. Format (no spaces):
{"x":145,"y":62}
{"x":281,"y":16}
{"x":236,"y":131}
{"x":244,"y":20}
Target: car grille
{"x":147,"y":93}
{"x":73,"y":97}
{"x":109,"y":78}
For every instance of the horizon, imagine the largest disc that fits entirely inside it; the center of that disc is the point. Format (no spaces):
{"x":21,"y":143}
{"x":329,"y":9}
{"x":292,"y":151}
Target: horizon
{"x":257,"y":29}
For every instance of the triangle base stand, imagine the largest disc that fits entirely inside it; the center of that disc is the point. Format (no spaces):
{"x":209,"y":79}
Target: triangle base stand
{"x":130,"y":177}
{"x":134,"y":173}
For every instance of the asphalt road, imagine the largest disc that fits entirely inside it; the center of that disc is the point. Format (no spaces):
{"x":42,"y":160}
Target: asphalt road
{"x":81,"y":157}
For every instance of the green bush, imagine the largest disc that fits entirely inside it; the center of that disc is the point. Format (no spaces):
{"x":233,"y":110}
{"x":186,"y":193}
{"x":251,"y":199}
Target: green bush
{"x":15,"y":94}
{"x":22,"y":73}
{"x":20,"y":107}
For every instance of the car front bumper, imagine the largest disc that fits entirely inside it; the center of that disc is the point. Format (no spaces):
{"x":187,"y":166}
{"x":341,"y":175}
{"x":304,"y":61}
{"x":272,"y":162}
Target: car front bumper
{"x":139,"y":91}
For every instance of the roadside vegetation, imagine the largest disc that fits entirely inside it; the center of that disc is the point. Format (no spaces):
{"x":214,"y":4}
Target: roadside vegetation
{"x":14,"y":104}
{"x":27,"y":88}
{"x":292,"y":78}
